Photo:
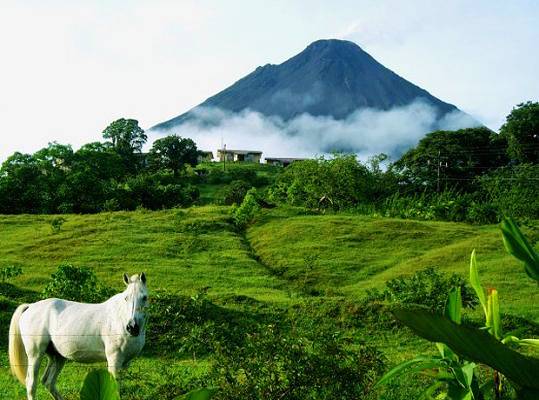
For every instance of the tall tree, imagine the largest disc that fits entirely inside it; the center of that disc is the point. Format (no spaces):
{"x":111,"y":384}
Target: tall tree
{"x":521,"y":129}
{"x":452,"y":159}
{"x":127,"y":139}
{"x":173,"y":152}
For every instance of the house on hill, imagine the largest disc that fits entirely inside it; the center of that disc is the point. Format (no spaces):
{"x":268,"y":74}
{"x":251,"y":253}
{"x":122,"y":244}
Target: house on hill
{"x":282,"y":162}
{"x":239,"y":155}
{"x":204,"y":156}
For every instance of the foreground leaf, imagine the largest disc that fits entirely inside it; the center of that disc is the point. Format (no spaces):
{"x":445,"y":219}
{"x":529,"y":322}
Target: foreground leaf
{"x":417,"y":364}
{"x":99,"y":385}
{"x":476,"y":283}
{"x":517,"y":245}
{"x":453,"y":306}
{"x":199,"y":394}
{"x":473,"y":344}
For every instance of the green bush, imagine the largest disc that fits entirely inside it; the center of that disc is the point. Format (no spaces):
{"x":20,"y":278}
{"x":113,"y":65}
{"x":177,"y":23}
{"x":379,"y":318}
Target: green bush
{"x":513,"y":190}
{"x":235,"y":192}
{"x":9,"y":272}
{"x":191,"y":326}
{"x":76,"y":284}
{"x":246,"y":212}
{"x":274,"y":363}
{"x":428,"y":287}
{"x":338,"y":183}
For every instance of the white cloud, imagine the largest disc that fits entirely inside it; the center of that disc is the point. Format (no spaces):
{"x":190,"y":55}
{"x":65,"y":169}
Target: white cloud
{"x":365,"y":132}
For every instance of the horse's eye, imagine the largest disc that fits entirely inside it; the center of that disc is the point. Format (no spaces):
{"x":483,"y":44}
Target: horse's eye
{"x":126,"y":298}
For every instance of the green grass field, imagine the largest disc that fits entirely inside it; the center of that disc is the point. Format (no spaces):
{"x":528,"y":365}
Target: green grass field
{"x":186,"y":250}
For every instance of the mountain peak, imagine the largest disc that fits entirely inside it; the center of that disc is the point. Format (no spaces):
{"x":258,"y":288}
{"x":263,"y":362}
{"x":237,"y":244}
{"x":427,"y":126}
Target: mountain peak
{"x":330,"y":77}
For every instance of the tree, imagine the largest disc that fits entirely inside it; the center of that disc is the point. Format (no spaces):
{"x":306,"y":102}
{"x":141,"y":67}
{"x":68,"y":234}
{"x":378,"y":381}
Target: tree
{"x":173,"y":152}
{"x":452,"y":159}
{"x":521,"y":129}
{"x":127,"y":139}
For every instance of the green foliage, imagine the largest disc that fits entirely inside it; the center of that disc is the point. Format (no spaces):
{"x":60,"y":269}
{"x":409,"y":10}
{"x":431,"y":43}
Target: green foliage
{"x":338,"y":183}
{"x":173,"y":153}
{"x":428,"y":287}
{"x":235,"y":192}
{"x":512,"y":190}
{"x":476,"y":345}
{"x":56,"y":224}
{"x":199,"y":394}
{"x":312,"y":364}
{"x":77,"y":284}
{"x":521,"y":129}
{"x":99,"y":385}
{"x":245,"y":213}
{"x":451,"y":159}
{"x":9,"y":272}
{"x":518,"y":246}
{"x":127,"y":139}
{"x":447,"y":206}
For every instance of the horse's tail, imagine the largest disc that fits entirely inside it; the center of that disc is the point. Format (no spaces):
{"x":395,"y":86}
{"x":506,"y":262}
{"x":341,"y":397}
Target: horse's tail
{"x":17,"y":354}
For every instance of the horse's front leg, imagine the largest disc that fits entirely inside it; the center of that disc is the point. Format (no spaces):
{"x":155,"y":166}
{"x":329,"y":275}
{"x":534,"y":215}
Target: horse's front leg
{"x":115,"y":361}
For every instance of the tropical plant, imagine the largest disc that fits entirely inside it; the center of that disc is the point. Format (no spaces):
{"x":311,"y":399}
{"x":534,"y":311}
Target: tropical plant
{"x":480,"y":345}
{"x":455,"y":377}
{"x":100,"y":384}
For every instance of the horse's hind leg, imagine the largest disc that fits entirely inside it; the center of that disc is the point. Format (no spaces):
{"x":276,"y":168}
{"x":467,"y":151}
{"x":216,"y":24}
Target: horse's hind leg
{"x":55,"y":365}
{"x":34,"y":361}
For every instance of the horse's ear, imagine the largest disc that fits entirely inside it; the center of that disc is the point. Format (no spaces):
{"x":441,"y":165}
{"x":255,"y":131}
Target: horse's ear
{"x":126,"y":279}
{"x":143,"y":277}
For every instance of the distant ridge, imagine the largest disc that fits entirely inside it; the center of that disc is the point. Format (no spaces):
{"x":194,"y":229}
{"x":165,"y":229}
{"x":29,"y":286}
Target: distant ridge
{"x":329,"y":78}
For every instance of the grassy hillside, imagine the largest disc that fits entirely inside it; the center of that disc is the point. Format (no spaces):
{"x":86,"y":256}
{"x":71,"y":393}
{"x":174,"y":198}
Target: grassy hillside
{"x":186,"y":250}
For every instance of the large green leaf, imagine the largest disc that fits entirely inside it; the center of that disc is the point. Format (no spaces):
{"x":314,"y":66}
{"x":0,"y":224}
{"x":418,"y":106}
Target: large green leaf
{"x":476,"y":283}
{"x":99,"y":385}
{"x":199,"y":394}
{"x":473,"y":344}
{"x":417,"y":364}
{"x":453,"y":306}
{"x":517,"y":245}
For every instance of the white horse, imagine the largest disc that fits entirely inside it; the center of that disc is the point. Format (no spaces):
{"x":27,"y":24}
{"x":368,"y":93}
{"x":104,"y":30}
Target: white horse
{"x":113,"y":331}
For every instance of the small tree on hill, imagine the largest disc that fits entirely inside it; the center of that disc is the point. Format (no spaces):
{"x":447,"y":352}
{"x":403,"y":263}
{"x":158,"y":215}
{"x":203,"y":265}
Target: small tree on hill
{"x":173,"y":152}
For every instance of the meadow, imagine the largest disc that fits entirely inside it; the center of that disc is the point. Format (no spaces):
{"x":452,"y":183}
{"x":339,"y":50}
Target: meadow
{"x":288,"y":259}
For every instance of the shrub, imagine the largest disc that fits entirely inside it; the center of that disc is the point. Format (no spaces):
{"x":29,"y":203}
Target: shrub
{"x":76,"y":284}
{"x":235,"y":192}
{"x":246,"y":212}
{"x":274,"y":363}
{"x":428,"y":287}
{"x":56,"y":224}
{"x":191,"y":326}
{"x":9,"y":272}
{"x":513,"y":191}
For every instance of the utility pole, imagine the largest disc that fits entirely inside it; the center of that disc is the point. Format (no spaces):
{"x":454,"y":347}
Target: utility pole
{"x":224,"y":158}
{"x":439,"y":166}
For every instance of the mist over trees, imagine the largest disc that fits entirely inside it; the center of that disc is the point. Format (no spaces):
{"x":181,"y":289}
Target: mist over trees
{"x":471,"y":174}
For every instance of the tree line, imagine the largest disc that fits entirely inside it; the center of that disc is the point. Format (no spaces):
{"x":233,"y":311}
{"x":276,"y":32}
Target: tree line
{"x":109,"y":175}
{"x":470,"y":174}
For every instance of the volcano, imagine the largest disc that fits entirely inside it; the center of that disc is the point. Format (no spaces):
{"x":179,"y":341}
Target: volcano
{"x":329,"y":78}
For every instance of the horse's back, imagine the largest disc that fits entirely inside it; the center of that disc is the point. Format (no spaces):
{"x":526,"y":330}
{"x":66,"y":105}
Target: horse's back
{"x":73,"y":329}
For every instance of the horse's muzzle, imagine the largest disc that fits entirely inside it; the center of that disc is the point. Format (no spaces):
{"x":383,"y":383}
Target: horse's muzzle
{"x":133,"y":328}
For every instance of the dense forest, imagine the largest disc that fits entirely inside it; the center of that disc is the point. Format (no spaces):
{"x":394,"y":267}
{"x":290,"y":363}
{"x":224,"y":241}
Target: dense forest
{"x":472,"y":174}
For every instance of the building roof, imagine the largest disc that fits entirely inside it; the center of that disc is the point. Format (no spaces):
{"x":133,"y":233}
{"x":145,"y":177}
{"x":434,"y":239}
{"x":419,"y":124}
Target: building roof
{"x":285,"y":159}
{"x":239,"y":151}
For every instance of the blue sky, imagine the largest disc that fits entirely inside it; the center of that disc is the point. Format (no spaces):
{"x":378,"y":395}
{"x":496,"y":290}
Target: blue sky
{"x":68,"y":68}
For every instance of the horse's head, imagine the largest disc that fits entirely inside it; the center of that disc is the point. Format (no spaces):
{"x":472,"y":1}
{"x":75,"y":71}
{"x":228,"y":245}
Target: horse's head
{"x":136,"y":299}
